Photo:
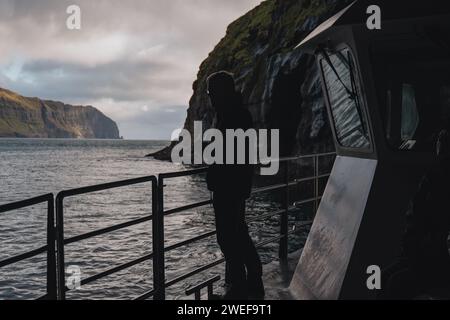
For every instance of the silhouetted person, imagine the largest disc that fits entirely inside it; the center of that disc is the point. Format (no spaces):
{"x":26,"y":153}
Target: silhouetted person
{"x":424,"y":268}
{"x":231,"y":186}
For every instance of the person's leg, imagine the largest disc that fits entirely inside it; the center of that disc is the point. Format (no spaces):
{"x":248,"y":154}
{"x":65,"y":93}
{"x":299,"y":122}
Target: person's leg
{"x":251,"y":257}
{"x":226,"y":213}
{"x":227,"y":274}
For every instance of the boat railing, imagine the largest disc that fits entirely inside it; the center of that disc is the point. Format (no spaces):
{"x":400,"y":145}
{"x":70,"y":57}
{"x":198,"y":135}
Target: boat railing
{"x":56,"y":240}
{"x":49,"y":248}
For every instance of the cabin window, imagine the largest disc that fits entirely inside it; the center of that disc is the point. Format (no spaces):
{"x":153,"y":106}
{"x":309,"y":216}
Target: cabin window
{"x":410,"y":114}
{"x":343,"y":95}
{"x":412,"y":78}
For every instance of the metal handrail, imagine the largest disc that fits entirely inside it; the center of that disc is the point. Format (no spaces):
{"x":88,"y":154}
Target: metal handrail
{"x":160,"y":284}
{"x":117,"y":269}
{"x":49,"y":247}
{"x":188,"y":207}
{"x":61,"y":241}
{"x":205,"y":284}
{"x":56,"y":268}
{"x":100,"y":232}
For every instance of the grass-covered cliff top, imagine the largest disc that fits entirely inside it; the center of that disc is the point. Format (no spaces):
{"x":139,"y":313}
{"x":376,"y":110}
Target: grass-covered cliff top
{"x":9,"y":96}
{"x":275,"y":26}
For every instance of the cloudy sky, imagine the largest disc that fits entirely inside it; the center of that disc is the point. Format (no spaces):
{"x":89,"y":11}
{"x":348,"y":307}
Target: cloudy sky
{"x":134,"y":60}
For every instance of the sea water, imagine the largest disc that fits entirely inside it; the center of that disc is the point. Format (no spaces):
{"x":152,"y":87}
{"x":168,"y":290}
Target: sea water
{"x":32,"y":167}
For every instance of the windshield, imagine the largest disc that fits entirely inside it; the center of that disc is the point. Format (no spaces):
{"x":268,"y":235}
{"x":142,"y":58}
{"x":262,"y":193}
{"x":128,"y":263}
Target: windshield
{"x":343,"y":95}
{"x":412,"y":78}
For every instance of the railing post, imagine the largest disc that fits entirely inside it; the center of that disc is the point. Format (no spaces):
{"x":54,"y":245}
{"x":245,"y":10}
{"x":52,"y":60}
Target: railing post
{"x":316,"y":184}
{"x":283,"y":247}
{"x":60,"y":247}
{"x":51,"y":258}
{"x":158,"y":240}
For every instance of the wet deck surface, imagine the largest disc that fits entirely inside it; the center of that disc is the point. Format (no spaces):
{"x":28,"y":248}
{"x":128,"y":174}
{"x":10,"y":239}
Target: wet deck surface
{"x":277,"y":277}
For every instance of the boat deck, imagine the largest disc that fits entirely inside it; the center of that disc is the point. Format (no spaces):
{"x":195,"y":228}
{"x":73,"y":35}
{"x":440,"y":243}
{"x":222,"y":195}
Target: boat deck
{"x":277,"y":277}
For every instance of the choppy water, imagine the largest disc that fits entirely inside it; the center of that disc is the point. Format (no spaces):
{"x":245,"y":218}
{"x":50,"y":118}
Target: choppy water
{"x":33,"y":167}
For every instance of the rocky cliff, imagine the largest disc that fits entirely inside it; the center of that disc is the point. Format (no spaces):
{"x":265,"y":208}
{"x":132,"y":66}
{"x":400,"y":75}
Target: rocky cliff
{"x":280,"y":86}
{"x":35,"y":118}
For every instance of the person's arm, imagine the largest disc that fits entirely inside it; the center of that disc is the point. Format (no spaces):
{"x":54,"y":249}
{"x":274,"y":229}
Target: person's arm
{"x":212,"y":179}
{"x":249,"y":168}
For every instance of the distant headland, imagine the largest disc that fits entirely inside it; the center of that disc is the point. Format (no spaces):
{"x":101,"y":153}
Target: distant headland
{"x":23,"y":117}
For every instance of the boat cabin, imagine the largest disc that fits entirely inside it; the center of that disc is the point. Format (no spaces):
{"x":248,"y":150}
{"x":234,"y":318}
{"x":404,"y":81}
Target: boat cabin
{"x":387,"y":93}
